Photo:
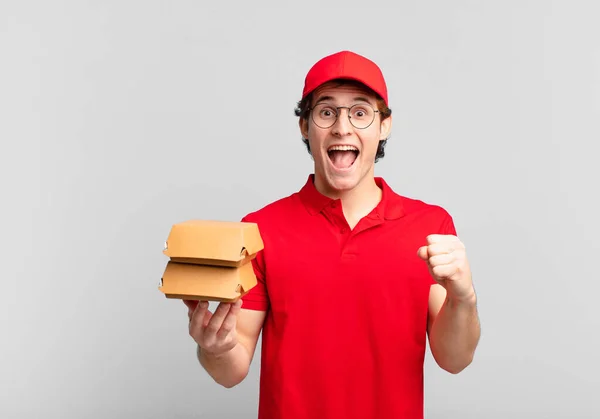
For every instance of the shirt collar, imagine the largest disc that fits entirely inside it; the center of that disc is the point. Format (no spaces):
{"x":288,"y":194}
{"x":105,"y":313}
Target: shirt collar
{"x":390,"y":207}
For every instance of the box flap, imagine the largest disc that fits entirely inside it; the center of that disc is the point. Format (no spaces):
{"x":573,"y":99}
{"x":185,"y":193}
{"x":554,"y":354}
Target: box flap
{"x":211,"y":283}
{"x":211,"y":242}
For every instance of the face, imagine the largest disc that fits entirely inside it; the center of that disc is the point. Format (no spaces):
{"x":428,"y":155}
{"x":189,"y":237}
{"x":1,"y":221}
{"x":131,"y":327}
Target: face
{"x":344,"y":156}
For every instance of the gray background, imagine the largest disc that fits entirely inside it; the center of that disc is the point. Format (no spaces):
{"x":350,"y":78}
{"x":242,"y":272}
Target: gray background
{"x":120,"y":118}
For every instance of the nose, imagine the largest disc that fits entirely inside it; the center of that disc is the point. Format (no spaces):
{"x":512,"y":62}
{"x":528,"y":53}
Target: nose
{"x":342,"y":125}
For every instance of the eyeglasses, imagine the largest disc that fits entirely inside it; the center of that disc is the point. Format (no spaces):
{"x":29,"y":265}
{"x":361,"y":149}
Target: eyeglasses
{"x":361,"y":115}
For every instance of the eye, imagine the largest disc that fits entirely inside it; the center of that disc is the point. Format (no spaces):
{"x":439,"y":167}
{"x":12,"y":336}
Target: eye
{"x":327,"y":113}
{"x":359,"y":112}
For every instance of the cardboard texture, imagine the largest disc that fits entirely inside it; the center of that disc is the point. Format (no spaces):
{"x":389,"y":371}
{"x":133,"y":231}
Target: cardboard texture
{"x":210,"y":260}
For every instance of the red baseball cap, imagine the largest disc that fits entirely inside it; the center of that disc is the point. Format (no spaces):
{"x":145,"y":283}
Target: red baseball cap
{"x":346,"y":65}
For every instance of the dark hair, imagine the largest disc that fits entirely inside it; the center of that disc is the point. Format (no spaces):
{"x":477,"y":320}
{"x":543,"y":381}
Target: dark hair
{"x":302,"y":112}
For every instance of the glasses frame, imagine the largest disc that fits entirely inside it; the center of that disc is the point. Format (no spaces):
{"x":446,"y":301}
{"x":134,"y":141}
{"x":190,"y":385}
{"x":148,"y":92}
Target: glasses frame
{"x":337,"y":114}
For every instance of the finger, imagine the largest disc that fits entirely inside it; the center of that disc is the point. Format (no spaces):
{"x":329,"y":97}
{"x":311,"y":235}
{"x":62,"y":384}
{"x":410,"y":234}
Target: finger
{"x":197,"y":319}
{"x":217,"y":319}
{"x":237,"y":305}
{"x":442,"y":259}
{"x":230,"y":321}
{"x":207,"y":316}
{"x":440,"y":248}
{"x":423,"y":252}
{"x":441,"y":238}
{"x":190,"y":304}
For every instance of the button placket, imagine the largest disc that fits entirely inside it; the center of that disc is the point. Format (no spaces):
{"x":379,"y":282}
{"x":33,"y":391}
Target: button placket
{"x":338,"y":217}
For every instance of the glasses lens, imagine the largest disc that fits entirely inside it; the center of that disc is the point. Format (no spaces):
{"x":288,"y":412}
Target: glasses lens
{"x":324,"y":115}
{"x":361,"y":115}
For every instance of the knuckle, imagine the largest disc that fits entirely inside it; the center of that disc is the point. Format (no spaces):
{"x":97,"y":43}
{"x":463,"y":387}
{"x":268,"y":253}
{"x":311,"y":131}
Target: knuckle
{"x":229,"y":324}
{"x":437,"y":260}
{"x":230,"y":341}
{"x":208,"y":348}
{"x":226,"y":329}
{"x":198,"y":338}
{"x":225,"y":333}
{"x":212,"y":327}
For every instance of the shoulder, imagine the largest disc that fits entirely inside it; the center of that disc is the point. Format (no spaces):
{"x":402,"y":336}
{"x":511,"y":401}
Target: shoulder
{"x":420,"y":208}
{"x":435,"y":218}
{"x":418,"y":211}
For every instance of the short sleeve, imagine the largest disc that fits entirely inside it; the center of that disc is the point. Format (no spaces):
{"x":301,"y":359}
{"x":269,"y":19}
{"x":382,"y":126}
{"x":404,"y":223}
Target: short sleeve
{"x":448,"y":226}
{"x":257,"y":298}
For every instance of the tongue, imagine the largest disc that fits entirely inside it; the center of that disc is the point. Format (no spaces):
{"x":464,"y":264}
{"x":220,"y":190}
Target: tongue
{"x":342,"y":159}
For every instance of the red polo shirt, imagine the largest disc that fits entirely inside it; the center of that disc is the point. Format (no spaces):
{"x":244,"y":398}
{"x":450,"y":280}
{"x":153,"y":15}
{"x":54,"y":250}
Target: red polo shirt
{"x":345,"y":332}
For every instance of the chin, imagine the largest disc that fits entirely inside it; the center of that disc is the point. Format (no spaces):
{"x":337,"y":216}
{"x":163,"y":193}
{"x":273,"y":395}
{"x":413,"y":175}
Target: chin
{"x":342,"y":181}
{"x":342,"y":184}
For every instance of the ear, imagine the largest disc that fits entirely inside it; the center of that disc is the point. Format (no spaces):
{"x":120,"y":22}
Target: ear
{"x":386,"y":128}
{"x":303,"y":124}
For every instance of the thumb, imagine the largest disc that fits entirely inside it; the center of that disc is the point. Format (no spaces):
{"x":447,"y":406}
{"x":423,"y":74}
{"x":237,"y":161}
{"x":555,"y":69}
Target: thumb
{"x":423,"y":253}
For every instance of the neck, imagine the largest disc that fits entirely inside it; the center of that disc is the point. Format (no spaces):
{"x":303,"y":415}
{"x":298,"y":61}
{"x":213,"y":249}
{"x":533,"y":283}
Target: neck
{"x":356,"y":202}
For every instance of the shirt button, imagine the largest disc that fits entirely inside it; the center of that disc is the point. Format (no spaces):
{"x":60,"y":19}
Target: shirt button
{"x":333,"y":205}
{"x":343,"y":231}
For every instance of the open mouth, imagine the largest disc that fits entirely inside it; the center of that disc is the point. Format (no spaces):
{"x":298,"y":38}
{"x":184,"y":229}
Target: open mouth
{"x":342,"y":156}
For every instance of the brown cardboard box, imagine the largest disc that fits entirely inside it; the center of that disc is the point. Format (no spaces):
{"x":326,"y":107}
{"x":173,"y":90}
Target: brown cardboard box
{"x":210,"y":260}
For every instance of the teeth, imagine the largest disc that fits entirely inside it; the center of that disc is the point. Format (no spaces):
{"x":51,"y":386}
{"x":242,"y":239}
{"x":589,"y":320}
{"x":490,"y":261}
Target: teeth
{"x":343,"y":148}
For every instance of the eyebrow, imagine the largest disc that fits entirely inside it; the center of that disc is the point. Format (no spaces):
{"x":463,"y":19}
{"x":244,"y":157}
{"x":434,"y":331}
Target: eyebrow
{"x":355,"y":99}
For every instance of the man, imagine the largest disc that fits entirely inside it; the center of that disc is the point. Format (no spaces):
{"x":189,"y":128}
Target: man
{"x":353,"y":277}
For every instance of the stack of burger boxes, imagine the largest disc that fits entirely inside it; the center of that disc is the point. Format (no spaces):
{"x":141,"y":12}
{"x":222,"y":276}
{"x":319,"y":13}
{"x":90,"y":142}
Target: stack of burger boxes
{"x":210,"y":260}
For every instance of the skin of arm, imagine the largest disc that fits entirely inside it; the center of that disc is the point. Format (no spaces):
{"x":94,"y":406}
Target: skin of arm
{"x":453,"y":329}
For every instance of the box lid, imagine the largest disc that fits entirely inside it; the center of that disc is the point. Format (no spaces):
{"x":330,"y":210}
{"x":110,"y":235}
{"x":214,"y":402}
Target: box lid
{"x":222,"y":242}
{"x":211,"y":283}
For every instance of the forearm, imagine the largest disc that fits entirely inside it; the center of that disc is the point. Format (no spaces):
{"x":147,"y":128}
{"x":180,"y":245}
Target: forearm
{"x":455,"y":334}
{"x":228,"y":369}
